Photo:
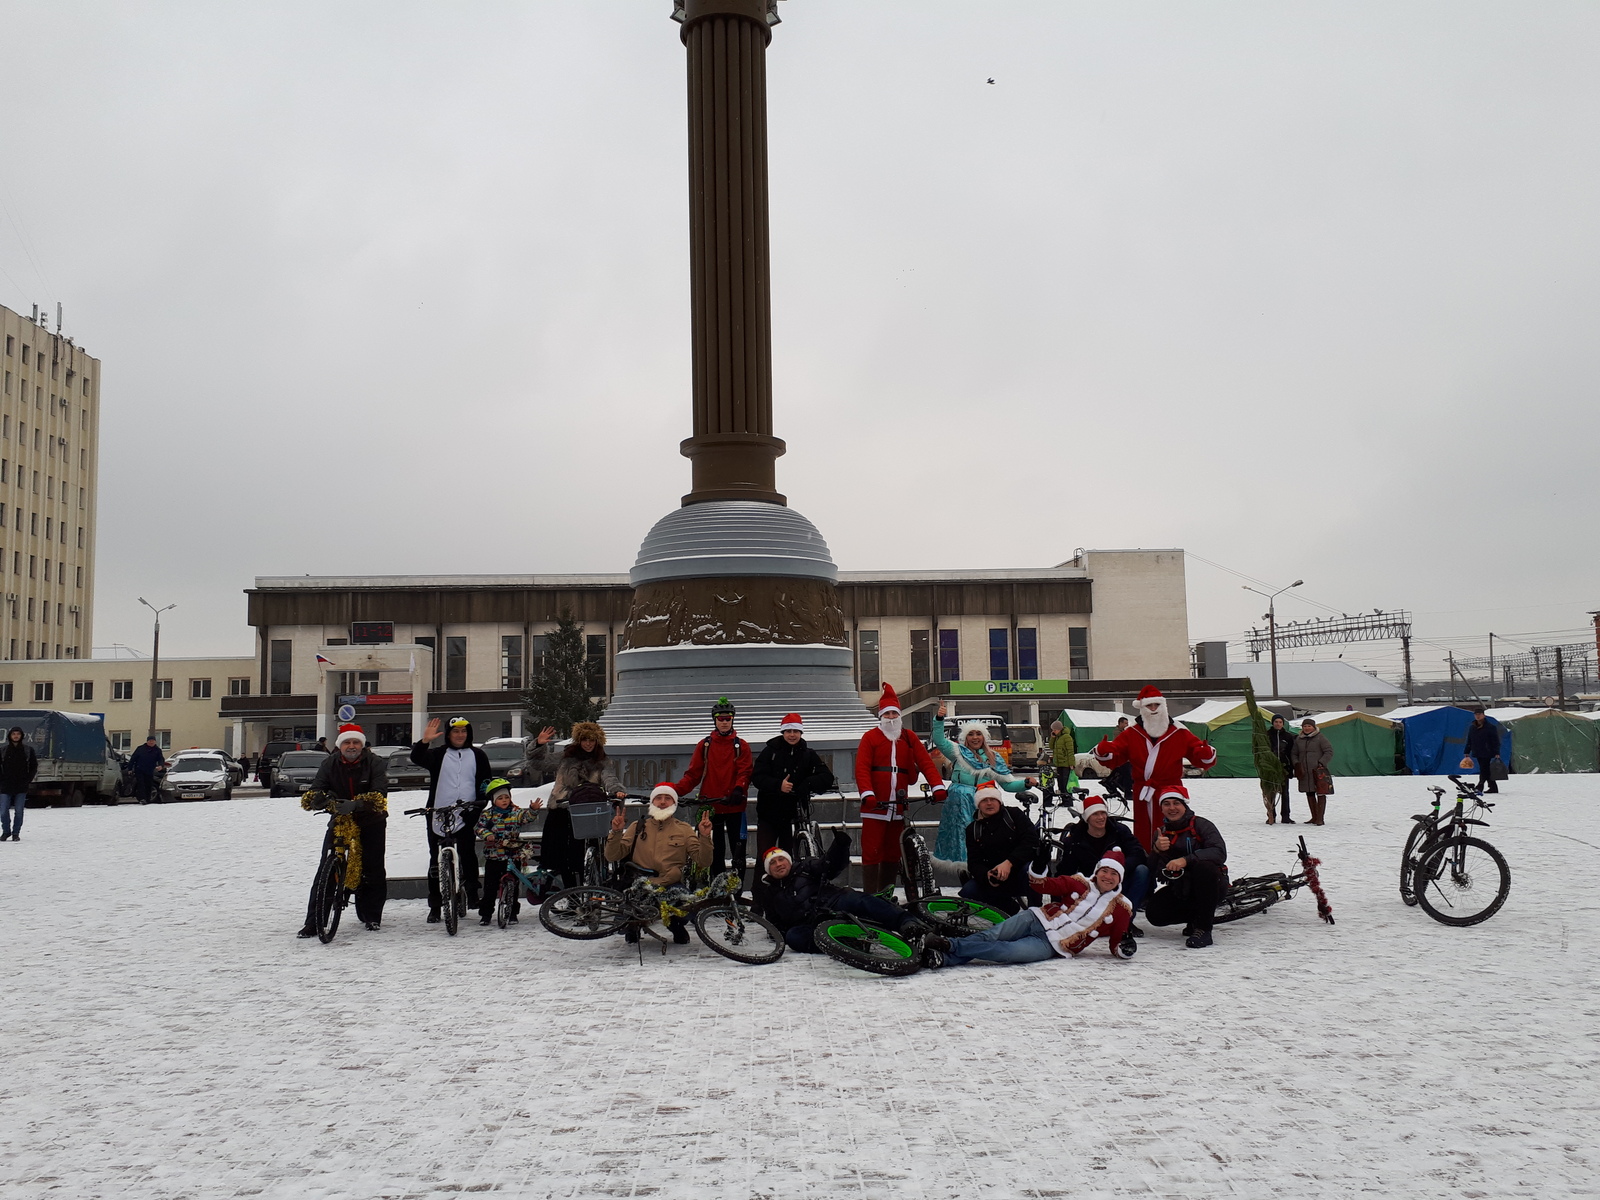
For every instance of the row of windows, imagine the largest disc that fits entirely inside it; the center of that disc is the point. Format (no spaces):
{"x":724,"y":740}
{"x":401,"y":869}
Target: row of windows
{"x":516,"y":670}
{"x":44,"y":691}
{"x":53,"y":530}
{"x":40,"y":442}
{"x":44,"y":651}
{"x":44,"y":615}
{"x":1005,"y":660}
{"x":122,"y":739}
{"x":36,"y":358}
{"x":49,"y":488}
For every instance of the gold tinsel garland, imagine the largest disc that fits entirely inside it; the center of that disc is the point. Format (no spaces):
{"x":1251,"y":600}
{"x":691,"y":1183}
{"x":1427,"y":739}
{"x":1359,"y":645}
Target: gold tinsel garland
{"x":346,"y":834}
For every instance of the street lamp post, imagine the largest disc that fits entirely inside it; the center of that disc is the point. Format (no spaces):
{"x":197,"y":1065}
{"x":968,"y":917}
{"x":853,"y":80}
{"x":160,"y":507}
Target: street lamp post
{"x":1272,"y":625}
{"x":155,"y":659}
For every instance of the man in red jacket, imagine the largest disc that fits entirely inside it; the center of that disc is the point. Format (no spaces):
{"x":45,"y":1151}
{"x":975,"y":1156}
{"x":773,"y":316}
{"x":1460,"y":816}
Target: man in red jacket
{"x":1156,"y":750}
{"x":888,"y":761}
{"x":721,"y":769}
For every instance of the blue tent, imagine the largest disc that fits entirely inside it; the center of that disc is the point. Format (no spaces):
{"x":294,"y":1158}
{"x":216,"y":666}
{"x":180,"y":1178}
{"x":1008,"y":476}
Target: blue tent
{"x":1436,"y":738}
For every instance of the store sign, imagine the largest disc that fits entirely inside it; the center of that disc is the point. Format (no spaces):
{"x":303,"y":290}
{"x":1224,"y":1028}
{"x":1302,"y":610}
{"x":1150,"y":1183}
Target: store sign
{"x":394,"y":699}
{"x":371,"y":633}
{"x":1009,"y":687}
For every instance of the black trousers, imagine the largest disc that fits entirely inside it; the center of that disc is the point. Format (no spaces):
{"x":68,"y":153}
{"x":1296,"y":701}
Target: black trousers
{"x":494,"y":870}
{"x":1288,"y":779}
{"x":466,"y":844}
{"x":373,"y":890}
{"x":727,"y":841}
{"x":1190,"y":900}
{"x":559,"y":852}
{"x":1486,"y":779}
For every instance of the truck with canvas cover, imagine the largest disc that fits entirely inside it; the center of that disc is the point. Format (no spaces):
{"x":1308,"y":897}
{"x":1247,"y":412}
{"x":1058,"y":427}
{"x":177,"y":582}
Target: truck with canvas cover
{"x":76,"y":762}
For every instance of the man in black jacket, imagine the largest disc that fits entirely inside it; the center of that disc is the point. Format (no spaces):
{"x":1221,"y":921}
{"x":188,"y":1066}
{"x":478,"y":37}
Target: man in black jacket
{"x":787,"y":773}
{"x":1192,"y":859}
{"x":18,"y":765}
{"x":799,"y":894}
{"x":1483,"y":744}
{"x":1281,"y":739}
{"x":1001,"y":841}
{"x":146,"y":761}
{"x":1086,"y":843}
{"x":457,"y":771}
{"x":346,"y":776}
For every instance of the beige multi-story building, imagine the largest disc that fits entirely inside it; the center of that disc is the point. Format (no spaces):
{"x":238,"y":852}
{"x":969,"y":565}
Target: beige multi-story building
{"x":49,"y":464}
{"x":188,"y":692}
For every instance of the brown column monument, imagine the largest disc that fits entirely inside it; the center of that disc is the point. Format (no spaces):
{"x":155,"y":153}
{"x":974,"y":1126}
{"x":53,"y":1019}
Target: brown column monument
{"x":733,"y":450}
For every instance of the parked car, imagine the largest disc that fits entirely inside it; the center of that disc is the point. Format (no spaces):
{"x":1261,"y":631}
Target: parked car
{"x":235,"y":767}
{"x":1029,"y":747}
{"x":197,"y":777}
{"x":506,"y":756}
{"x":295,"y":770}
{"x":404,"y":775}
{"x":269,"y":757}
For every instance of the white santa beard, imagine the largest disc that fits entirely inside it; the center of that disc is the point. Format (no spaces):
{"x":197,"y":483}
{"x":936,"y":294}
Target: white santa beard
{"x":1156,"y":723}
{"x":891,"y":727}
{"x":661,"y":814}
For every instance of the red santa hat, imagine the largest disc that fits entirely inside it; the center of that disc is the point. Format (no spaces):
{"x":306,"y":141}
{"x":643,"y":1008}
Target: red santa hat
{"x":1173,"y":789}
{"x":1093,"y":803}
{"x":888,"y":702}
{"x":775,"y":852}
{"x":664,"y":789}
{"x":346,"y":732}
{"x":1150,"y":692}
{"x":1115,"y":861}
{"x":791,"y":721}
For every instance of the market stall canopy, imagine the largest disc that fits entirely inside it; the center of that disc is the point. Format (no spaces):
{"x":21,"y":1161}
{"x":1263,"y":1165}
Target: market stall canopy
{"x":1362,"y":743}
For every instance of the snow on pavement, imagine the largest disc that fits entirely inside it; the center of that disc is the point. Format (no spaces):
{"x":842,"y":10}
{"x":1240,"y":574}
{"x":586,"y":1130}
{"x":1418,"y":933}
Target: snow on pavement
{"x":168,"y":1036}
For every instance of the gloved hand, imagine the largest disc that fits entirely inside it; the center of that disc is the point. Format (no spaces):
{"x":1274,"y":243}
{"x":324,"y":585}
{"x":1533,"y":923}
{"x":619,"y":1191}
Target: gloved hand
{"x":345,"y":807}
{"x":938,"y":795}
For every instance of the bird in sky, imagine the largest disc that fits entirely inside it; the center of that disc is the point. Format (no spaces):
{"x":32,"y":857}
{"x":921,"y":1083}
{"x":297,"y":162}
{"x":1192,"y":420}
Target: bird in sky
{"x":991,"y":80}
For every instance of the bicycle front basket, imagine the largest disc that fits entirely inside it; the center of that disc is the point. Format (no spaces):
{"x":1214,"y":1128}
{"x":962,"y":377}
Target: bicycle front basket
{"x":590,"y":819}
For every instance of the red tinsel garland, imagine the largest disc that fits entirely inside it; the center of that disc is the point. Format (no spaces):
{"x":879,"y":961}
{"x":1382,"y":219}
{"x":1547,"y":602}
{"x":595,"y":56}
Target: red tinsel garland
{"x":1314,"y":882}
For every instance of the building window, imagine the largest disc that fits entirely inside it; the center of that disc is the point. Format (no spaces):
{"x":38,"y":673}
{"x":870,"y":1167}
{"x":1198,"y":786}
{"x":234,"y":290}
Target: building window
{"x":7,"y":690}
{"x":1375,"y":702}
{"x":44,"y":692}
{"x":1027,"y":654}
{"x":455,"y":664}
{"x":122,"y":689}
{"x":80,"y":576}
{"x":162,"y":688}
{"x":511,"y":662}
{"x":999,"y":654}
{"x":83,"y":691}
{"x":199,"y":689}
{"x":121,"y":739}
{"x":239,"y":687}
{"x":949,"y":655}
{"x":1078,"y":652}
{"x":539,"y":650}
{"x":869,"y":661}
{"x":164,"y":739}
{"x":280,"y":660}
{"x":921,"y":659}
{"x":594,"y":661}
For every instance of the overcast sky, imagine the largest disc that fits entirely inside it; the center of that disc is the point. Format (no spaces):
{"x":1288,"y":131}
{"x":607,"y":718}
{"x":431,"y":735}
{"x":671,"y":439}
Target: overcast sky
{"x":1309,"y":290}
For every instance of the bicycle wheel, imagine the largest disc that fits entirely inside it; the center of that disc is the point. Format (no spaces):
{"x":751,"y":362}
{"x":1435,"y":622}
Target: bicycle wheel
{"x":594,"y":865}
{"x":735,"y":932}
{"x":1246,"y":902}
{"x":866,"y":947}
{"x":1408,"y":863}
{"x":1462,"y":881}
{"x":954,"y":916}
{"x":585,"y":913}
{"x":505,"y":899}
{"x":448,"y":884}
{"x":328,"y":893}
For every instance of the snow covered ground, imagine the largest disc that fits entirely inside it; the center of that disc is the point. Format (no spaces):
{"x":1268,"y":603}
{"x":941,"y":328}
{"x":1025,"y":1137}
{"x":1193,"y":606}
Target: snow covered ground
{"x":166,"y":1035}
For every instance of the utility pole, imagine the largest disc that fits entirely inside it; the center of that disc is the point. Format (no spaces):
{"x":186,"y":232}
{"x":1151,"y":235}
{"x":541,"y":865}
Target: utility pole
{"x":1452,"y":675}
{"x":155,"y":659}
{"x":1272,"y":625}
{"x":1561,"y":681}
{"x":1491,"y":660}
{"x":1405,"y":650}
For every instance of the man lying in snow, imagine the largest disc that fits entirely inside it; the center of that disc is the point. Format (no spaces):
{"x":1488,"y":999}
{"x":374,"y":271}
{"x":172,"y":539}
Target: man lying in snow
{"x":798,"y":894}
{"x":1088,"y":911}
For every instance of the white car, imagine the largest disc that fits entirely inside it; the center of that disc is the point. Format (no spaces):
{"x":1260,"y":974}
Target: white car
{"x":235,"y":768}
{"x":197,"y":777}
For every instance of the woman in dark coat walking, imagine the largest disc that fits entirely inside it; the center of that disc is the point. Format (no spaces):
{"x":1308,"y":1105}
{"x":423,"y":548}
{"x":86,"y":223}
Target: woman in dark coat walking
{"x":18,"y":765}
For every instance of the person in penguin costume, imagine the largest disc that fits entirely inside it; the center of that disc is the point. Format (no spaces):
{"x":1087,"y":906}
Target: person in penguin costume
{"x":1156,"y":749}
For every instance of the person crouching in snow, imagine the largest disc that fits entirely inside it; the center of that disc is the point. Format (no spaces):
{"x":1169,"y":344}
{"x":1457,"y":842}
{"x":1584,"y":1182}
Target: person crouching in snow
{"x":498,"y":827}
{"x":799,"y":894}
{"x":1086,"y":913}
{"x":1192,"y":858}
{"x":1000,"y":844}
{"x":663,"y":844}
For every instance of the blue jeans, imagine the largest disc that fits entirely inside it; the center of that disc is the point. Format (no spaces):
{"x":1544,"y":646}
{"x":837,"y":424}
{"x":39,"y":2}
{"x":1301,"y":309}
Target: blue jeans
{"x":1019,"y":939}
{"x":1136,"y":885}
{"x":9,"y":804}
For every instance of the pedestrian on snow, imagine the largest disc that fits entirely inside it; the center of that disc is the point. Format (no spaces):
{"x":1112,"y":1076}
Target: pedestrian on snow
{"x":147,"y":762}
{"x":972,"y":764}
{"x":322,"y":744}
{"x":1001,"y":842}
{"x":1086,"y":912}
{"x":1063,"y":757}
{"x":352,"y":776}
{"x":661,"y":843}
{"x":1119,"y":782}
{"x":18,"y":765}
{"x":889,"y":758}
{"x":1483,"y":745}
{"x":1087,"y":842}
{"x":1313,"y":756}
{"x":499,"y":826}
{"x":582,"y":764}
{"x":720,"y":768}
{"x":1192,"y":860}
{"x":457,"y":771}
{"x":1156,"y":749}
{"x":1281,"y":739}
{"x":787,"y":773}
{"x":799,"y":894}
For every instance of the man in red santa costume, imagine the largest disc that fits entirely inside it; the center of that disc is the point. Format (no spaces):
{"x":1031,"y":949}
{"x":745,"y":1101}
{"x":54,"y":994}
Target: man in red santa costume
{"x":888,"y":761}
{"x":1155,"y":749}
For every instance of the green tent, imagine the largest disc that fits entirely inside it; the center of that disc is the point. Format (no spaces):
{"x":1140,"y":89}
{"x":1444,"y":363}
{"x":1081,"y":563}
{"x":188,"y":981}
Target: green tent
{"x":1362,"y":744}
{"x":1088,"y":726}
{"x":1226,"y":725}
{"x":1547,"y":740}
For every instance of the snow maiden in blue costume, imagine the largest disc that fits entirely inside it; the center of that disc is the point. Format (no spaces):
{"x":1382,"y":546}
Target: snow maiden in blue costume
{"x":969,"y":766}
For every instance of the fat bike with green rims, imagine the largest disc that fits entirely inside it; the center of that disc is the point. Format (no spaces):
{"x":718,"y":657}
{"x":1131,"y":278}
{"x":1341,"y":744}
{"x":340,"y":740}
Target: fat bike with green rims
{"x":867,"y":947}
{"x":953,"y":916}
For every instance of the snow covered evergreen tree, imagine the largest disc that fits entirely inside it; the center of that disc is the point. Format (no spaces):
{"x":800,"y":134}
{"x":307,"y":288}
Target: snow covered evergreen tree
{"x":559,"y":694}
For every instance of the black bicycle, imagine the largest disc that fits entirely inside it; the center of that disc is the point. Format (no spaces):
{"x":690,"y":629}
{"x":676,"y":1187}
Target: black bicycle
{"x":868,"y":947}
{"x":329,"y":895}
{"x":1257,"y":893}
{"x":953,"y":916}
{"x":1457,"y":878}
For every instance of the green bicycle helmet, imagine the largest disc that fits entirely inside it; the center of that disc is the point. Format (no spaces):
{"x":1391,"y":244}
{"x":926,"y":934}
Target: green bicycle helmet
{"x":494,"y":785}
{"x":722,"y":707}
